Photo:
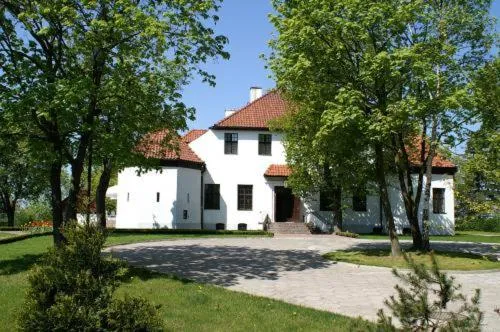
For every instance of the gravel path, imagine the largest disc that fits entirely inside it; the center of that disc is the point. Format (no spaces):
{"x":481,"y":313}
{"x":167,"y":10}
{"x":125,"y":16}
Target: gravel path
{"x":291,"y":269}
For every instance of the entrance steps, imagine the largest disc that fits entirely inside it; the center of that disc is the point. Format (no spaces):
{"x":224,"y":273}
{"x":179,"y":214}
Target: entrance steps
{"x":289,"y":227}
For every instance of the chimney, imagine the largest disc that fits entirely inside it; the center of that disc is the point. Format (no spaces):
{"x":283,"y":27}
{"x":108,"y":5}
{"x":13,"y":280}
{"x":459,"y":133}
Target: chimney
{"x":255,"y":93}
{"x":229,"y":112}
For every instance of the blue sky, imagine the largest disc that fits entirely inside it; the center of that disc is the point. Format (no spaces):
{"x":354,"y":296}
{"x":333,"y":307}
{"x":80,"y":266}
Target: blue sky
{"x":246,"y":24}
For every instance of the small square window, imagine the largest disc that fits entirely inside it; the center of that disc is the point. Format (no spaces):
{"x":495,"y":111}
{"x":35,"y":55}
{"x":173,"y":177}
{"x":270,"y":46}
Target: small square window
{"x":231,"y":143}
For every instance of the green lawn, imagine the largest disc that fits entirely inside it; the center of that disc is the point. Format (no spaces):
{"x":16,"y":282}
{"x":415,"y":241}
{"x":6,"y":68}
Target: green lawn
{"x":186,"y":306}
{"x":446,"y":260}
{"x":462,"y":236}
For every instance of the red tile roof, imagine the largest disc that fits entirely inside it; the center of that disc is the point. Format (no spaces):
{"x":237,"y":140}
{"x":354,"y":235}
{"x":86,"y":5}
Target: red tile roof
{"x":193,"y":135}
{"x":256,"y":114}
{"x":154,"y":146}
{"x":278,"y":170}
{"x":414,"y":156}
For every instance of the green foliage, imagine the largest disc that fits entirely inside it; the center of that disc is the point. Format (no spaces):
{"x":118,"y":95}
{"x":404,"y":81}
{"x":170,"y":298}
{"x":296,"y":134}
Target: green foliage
{"x":424,"y":304}
{"x":37,"y":210}
{"x":478,"y":224}
{"x":72,"y":289}
{"x":478,"y":178}
{"x":133,"y":314}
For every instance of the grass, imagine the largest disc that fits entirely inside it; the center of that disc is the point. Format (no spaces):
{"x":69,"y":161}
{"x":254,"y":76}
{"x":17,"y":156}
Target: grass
{"x":446,"y":260}
{"x":185,"y":306}
{"x":462,"y":236}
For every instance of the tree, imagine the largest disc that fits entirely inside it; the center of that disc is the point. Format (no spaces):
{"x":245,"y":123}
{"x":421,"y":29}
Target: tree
{"x":76,"y":72}
{"x":19,"y":179}
{"x":337,"y":55}
{"x":479,"y":173}
{"x":397,"y":71}
{"x":454,"y":39}
{"x":424,"y":305}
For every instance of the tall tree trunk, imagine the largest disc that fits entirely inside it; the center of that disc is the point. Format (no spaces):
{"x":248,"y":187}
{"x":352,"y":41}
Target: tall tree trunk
{"x":9,"y":207}
{"x":403,"y":168}
{"x":337,"y":207}
{"x":428,"y":184}
{"x":384,"y":197}
{"x":56,"y":202}
{"x":74,"y":191}
{"x":100,"y":195}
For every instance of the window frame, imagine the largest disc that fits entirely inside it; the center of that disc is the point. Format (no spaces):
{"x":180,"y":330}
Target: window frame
{"x":211,"y":194}
{"x":359,"y":201}
{"x":439,"y":200}
{"x":265,"y":144}
{"x":231,"y":143}
{"x":325,"y":198}
{"x":245,"y":199}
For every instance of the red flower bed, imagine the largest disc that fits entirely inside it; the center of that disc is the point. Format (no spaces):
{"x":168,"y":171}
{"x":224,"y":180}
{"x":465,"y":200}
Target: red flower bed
{"x":40,"y":223}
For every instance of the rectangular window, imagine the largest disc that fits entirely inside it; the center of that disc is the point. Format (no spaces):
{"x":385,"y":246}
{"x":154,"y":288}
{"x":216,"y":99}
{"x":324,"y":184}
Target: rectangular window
{"x":128,"y":197}
{"x":157,"y":197}
{"x":438,"y":200}
{"x":325,"y":201}
{"x":245,"y":197}
{"x":212,"y":197}
{"x":231,"y":143}
{"x":265,"y":141}
{"x":359,"y":200}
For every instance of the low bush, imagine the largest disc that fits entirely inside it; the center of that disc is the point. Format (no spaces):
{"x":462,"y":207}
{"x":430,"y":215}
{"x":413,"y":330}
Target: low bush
{"x":72,"y":290}
{"x":478,"y":224}
{"x":347,"y":234}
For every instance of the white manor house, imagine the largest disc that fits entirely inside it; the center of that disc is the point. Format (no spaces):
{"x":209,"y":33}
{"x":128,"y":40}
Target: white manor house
{"x":233,"y":175}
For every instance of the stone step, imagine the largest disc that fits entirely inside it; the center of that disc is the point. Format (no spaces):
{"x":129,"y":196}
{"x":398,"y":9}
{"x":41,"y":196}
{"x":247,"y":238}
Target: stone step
{"x":289,"y":228}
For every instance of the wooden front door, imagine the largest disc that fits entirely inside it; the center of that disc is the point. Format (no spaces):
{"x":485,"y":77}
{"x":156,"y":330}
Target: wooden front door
{"x":283,"y":204}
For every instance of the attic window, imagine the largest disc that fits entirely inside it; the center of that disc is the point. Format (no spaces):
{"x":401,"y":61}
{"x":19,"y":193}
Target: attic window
{"x":265,"y":141}
{"x":230,"y":143}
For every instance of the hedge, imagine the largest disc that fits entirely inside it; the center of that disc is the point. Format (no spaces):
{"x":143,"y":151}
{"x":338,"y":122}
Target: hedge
{"x":478,"y":224}
{"x":8,"y":228}
{"x":186,"y":231}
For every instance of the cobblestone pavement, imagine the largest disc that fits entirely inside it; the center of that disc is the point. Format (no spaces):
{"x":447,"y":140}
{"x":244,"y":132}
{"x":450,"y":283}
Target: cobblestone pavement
{"x":291,"y":269}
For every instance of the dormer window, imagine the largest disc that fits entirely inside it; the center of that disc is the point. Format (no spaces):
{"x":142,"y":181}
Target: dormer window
{"x":265,"y":141}
{"x":230,"y":143}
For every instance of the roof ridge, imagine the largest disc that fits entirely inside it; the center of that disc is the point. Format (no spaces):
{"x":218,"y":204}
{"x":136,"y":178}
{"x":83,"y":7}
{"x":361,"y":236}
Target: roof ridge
{"x":243,"y":108}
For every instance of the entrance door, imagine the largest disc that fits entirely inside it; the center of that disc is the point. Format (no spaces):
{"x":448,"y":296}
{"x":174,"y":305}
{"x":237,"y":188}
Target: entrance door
{"x":283,"y":205}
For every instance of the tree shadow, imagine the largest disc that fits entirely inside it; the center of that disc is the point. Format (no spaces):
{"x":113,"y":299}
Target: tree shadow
{"x":221,"y":265}
{"x":451,"y":248}
{"x":19,"y":264}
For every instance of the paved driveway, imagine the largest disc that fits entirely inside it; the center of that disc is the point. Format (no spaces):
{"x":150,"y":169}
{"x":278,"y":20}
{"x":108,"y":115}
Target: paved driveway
{"x":291,"y":269}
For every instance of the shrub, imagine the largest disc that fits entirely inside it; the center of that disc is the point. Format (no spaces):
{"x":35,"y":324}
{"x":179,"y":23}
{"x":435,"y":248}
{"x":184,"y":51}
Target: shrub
{"x":33,"y":212}
{"x":424,"y":305}
{"x":478,"y":224}
{"x":72,"y":288}
{"x":347,"y":234}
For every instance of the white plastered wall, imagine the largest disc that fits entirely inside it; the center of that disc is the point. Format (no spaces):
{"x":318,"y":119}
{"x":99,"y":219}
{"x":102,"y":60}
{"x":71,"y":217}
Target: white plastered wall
{"x":246,"y":168}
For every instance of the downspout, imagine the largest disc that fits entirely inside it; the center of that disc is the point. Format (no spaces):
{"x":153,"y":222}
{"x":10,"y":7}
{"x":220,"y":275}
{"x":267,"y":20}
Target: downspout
{"x":202,"y":196}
